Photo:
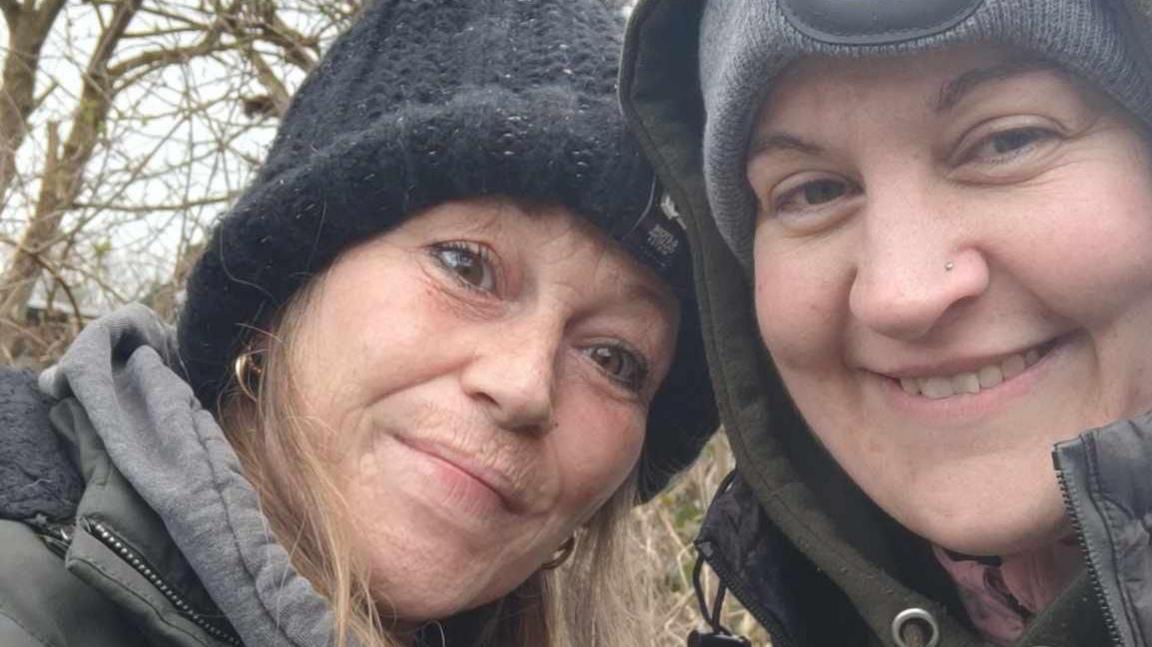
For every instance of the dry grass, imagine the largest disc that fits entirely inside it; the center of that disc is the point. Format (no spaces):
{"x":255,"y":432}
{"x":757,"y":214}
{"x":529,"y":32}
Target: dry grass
{"x":663,"y":541}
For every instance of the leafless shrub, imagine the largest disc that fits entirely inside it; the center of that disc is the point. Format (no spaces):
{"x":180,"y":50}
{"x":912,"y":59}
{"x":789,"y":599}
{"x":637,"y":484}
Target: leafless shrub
{"x":126,"y":127}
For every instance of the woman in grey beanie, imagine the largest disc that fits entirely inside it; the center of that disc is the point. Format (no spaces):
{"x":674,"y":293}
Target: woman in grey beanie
{"x":936,"y":218}
{"x":426,"y":366}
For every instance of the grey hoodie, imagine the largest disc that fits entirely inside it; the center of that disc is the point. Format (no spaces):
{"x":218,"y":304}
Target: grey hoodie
{"x":167,"y":529}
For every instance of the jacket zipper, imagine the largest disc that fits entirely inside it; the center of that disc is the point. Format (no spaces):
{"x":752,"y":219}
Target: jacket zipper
{"x":1090,"y":558}
{"x":55,"y":535}
{"x":736,"y":586}
{"x":110,"y":539}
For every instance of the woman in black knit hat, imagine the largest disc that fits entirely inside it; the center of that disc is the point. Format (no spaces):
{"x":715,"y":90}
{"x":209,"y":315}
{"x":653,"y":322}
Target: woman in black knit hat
{"x":429,"y":360}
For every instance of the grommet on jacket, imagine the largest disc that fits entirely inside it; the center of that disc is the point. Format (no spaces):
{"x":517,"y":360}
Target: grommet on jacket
{"x":915,"y":628}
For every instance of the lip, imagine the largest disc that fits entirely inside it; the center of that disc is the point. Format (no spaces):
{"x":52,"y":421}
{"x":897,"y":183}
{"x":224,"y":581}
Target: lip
{"x":966,"y":409}
{"x":467,"y":468}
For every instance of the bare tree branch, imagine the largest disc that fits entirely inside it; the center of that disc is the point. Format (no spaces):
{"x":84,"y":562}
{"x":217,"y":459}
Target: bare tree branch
{"x":11,"y":9}
{"x":150,"y":135}
{"x":62,"y":176}
{"x":293,"y":42}
{"x":161,"y":57}
{"x":28,"y":28}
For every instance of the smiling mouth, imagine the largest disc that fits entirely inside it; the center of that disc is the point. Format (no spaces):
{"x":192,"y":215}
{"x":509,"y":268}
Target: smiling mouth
{"x":937,"y":387}
{"x":494,"y":483}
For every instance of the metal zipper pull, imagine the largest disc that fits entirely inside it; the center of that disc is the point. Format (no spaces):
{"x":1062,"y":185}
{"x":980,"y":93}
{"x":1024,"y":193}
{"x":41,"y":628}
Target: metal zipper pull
{"x":57,"y":536}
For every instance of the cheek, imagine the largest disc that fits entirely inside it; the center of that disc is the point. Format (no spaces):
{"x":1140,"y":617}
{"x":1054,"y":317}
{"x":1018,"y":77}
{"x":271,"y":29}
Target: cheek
{"x":798,"y":304}
{"x":357,"y":344}
{"x":597,"y":450}
{"x":1090,"y":252}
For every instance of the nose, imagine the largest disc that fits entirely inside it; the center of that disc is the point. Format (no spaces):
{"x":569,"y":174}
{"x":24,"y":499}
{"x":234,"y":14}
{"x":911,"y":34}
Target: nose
{"x":512,"y":375}
{"x":915,"y":269}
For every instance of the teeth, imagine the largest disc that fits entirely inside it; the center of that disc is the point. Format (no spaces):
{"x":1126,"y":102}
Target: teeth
{"x":938,"y":387}
{"x":909,"y":385}
{"x":990,"y":376}
{"x":966,"y":383}
{"x":1013,"y":366}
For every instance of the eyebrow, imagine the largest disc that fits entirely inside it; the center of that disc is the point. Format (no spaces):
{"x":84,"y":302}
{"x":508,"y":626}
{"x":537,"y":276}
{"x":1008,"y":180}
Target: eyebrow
{"x":654,"y":297}
{"x":771,"y":142}
{"x":956,"y":89}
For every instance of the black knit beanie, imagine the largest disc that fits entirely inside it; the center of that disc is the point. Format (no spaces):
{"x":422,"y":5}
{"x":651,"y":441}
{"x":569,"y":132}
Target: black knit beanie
{"x":426,"y":101}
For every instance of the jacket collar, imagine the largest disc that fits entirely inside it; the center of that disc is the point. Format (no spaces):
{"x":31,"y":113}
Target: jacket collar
{"x":161,"y":474}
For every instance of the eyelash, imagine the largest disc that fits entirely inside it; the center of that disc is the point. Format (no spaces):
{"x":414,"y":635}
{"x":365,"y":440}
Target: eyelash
{"x":1043,"y":135}
{"x":636,"y":383}
{"x":481,"y":253}
{"x":781,"y":202}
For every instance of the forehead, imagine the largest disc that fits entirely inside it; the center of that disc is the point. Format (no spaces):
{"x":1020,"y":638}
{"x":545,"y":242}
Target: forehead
{"x":935,"y":79}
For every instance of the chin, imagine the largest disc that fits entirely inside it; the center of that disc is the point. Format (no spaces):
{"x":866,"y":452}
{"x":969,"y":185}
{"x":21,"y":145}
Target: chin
{"x":426,"y":592}
{"x":415,"y":604}
{"x":985,"y":533}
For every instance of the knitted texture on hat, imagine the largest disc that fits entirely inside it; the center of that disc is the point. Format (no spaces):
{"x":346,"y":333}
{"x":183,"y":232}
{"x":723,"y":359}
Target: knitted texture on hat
{"x":744,"y":44}
{"x":425,"y":101}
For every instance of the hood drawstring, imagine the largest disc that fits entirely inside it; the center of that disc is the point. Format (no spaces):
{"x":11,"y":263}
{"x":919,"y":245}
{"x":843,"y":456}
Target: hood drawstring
{"x":719,"y":636}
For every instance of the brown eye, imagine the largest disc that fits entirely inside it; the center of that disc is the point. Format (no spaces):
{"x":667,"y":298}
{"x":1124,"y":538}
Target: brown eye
{"x":468,"y":262}
{"x":806,"y":195}
{"x":620,"y":364}
{"x":1010,"y":142}
{"x":821,"y":191}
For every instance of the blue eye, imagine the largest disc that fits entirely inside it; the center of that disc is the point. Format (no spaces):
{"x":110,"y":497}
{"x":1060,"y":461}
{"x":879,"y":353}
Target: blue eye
{"x":467,"y":262}
{"x":620,"y":364}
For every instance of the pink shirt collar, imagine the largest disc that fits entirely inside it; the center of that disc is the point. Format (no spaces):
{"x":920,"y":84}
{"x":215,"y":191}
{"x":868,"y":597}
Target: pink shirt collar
{"x":1002,"y":595}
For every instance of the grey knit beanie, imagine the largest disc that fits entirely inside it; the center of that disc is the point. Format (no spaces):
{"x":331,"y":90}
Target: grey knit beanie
{"x":745,"y":44}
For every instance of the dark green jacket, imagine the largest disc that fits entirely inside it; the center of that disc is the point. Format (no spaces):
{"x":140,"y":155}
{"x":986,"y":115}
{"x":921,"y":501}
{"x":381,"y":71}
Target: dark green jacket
{"x":109,"y":573}
{"x":125,"y":518}
{"x":792,"y":537}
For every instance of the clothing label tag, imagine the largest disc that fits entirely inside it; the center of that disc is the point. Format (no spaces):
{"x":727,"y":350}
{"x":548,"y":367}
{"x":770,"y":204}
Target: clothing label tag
{"x":656,"y":237}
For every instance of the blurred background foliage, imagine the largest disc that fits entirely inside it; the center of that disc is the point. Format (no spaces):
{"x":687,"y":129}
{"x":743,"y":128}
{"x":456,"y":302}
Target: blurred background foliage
{"x":127,"y":127}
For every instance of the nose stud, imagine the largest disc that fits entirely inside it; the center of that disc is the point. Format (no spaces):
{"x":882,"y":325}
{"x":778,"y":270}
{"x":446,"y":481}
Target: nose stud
{"x":948,"y":266}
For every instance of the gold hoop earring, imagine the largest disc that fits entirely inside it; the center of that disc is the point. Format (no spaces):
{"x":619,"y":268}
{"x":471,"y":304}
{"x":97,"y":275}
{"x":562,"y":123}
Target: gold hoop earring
{"x":247,"y":372}
{"x":561,"y":556}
